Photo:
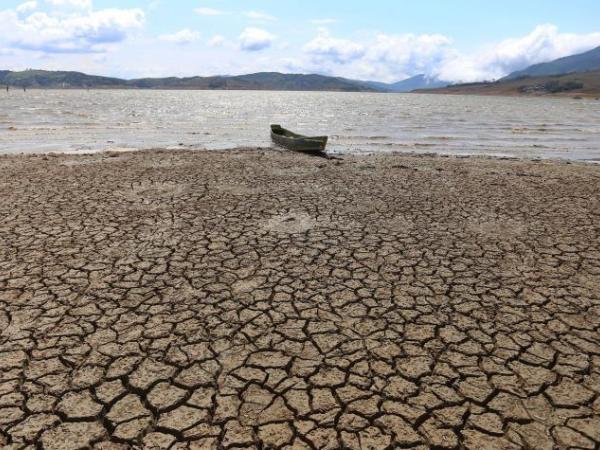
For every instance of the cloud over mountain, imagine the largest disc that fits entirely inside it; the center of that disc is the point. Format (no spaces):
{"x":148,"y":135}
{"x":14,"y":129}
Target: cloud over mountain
{"x":393,"y":57}
{"x":544,"y":43}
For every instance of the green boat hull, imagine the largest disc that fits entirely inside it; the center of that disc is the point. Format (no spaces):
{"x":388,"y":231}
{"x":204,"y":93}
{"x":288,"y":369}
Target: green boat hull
{"x":297,"y":142}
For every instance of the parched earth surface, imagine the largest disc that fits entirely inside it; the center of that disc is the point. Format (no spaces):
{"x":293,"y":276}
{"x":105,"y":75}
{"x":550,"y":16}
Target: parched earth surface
{"x":258,"y":299}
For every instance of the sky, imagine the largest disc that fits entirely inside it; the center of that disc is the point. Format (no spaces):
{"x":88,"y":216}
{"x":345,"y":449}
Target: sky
{"x":383,"y":40}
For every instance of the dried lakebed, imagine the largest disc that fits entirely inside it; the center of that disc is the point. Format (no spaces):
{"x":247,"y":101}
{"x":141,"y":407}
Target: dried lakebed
{"x":257,"y":299}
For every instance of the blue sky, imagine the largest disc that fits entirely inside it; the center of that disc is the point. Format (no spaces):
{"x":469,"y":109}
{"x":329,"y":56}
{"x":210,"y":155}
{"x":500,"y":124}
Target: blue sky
{"x":382,"y":39}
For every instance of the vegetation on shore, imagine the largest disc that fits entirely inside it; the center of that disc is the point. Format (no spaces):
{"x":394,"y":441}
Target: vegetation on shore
{"x":585,"y":84}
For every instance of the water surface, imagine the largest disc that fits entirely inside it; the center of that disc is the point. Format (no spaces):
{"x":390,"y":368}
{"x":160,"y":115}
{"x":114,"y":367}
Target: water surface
{"x":79,"y":120}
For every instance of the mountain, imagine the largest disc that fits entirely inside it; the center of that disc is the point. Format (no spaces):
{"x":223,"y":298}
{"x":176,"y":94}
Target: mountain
{"x":583,"y":62}
{"x":410,"y":84}
{"x":257,"y":81}
{"x":43,"y":78}
{"x":298,"y":82}
{"x":273,"y":81}
{"x":572,"y":84}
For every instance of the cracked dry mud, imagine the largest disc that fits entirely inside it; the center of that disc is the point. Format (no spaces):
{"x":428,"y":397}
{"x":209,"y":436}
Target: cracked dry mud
{"x":257,"y":299}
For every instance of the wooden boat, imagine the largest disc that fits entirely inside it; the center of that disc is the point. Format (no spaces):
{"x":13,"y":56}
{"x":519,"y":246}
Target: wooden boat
{"x":297,"y":142}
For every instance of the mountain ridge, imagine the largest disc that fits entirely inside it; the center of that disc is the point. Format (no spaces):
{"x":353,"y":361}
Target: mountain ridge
{"x":256,"y":81}
{"x":577,"y":84}
{"x":581,"y":62}
{"x":420,"y":81}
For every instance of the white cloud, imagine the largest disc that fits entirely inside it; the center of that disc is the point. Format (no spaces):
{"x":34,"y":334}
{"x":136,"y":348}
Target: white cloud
{"x":27,"y":7}
{"x":255,"y":39}
{"x":384,"y":57}
{"x":216,"y":41}
{"x":185,"y":36}
{"x":408,"y":54}
{"x":80,"y":4}
{"x":327,"y":48}
{"x":208,"y":12}
{"x":323,"y":21}
{"x":83,"y":32}
{"x":544,"y":43}
{"x":257,"y":15}
{"x":395,"y":57}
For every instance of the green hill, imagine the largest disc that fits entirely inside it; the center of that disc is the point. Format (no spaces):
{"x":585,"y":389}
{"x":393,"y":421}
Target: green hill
{"x":257,"y":81}
{"x":44,"y":78}
{"x":573,"y":84}
{"x":583,"y":62}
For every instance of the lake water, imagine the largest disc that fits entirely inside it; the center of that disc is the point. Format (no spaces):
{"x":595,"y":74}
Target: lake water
{"x":77,"y":121}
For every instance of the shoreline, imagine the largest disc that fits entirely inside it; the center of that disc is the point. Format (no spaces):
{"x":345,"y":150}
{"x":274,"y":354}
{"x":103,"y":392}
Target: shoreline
{"x":424,"y":91}
{"x":408,"y":154}
{"x":264,"y":299}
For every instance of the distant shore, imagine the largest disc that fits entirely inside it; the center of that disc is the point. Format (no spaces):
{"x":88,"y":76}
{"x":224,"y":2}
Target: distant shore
{"x":491,"y":92}
{"x":582,"y":85}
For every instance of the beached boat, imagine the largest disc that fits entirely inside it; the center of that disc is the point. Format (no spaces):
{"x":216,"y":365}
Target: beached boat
{"x":297,"y":142}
